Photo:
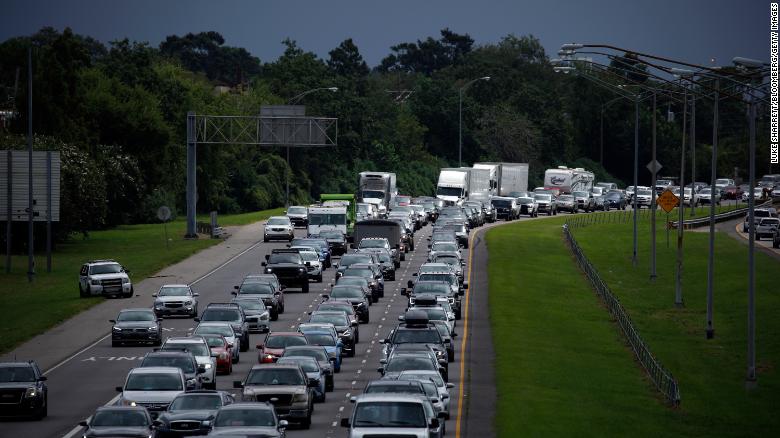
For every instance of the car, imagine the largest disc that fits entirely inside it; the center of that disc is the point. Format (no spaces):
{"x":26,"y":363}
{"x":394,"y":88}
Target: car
{"x":104,"y":277}
{"x":23,"y":390}
{"x":272,"y":348}
{"x":390,"y":415}
{"x":337,"y":242}
{"x":356,"y":296}
{"x":442,"y":247}
{"x":607,"y":185}
{"x":567,"y":203}
{"x":662,"y":184}
{"x":440,"y":234}
{"x":153,"y":388}
{"x":222,"y":351}
{"x":386,"y":263}
{"x":342,"y":307}
{"x":232,"y":313}
{"x":428,"y":387}
{"x":367,"y":211}
{"x":184,"y":360}
{"x":758,"y":214}
{"x":410,"y":361}
{"x":248,"y":420}
{"x":298,"y":215}
{"x":136,"y":326}
{"x":175,"y":299}
{"x":451,"y":258}
{"x":437,"y":309}
{"x":278,"y":228}
{"x":256,"y":313}
{"x":353,"y":258}
{"x":643,"y":198}
{"x":616,"y":199}
{"x":731,"y":191}
{"x":506,"y":207}
{"x":545,"y":203}
{"x":268,"y":278}
{"x":264,"y":291}
{"x":415,"y":329}
{"x":721,"y":183}
{"x":355,"y":281}
{"x":329,"y":341}
{"x":312,"y":261}
{"x":448,"y":336}
{"x":348,"y":330}
{"x":767,"y":227}
{"x":706,"y":196}
{"x":690,"y":199}
{"x":381,"y":243}
{"x":584,"y":199}
{"x":320,"y":245}
{"x":460,"y":230}
{"x":222,"y":328}
{"x":758,"y":194}
{"x":442,"y":387}
{"x":328,"y":364}
{"x":289,"y":267}
{"x":287,"y":383}
{"x":456,"y":290}
{"x":311,"y":367}
{"x":124,"y":421}
{"x":199,"y":348}
{"x":372,"y":273}
{"x":191,"y":413}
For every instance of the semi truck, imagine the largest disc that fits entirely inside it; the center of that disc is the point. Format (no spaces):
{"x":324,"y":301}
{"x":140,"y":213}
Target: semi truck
{"x":568,"y":180}
{"x":453,"y":185}
{"x":378,"y":188}
{"x":506,"y":178}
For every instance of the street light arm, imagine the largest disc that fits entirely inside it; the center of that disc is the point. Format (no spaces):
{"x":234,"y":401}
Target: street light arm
{"x":300,"y":96}
{"x":468,"y":84}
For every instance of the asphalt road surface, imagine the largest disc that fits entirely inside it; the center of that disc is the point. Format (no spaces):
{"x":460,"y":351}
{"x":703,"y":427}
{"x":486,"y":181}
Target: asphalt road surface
{"x":87,"y":381}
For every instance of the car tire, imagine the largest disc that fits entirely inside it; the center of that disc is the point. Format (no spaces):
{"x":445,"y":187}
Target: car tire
{"x":244,"y":344}
{"x":281,"y":308}
{"x":82,"y":292}
{"x":392,"y":276}
{"x":265,"y":239}
{"x":450,"y":356}
{"x":318,"y":279}
{"x":43,"y":412}
{"x":305,"y":287}
{"x":403,"y":257}
{"x":274,"y":315}
{"x":306,"y":423}
{"x":130,"y":294}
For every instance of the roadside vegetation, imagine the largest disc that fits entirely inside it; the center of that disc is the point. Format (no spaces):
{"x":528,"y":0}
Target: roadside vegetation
{"x":563,"y":368}
{"x":29,"y":309}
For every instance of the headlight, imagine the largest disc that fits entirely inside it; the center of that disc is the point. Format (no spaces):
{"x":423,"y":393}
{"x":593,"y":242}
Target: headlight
{"x":264,"y":315}
{"x":125,"y":280}
{"x":152,"y":329}
{"x":31,"y":392}
{"x":346,"y":333}
{"x":191,"y":382}
{"x":207,"y":366}
{"x":439,"y":353}
{"x":188,"y":303}
{"x":268,"y":270}
{"x":299,"y":398}
{"x":95,"y":282}
{"x":301,"y":269}
{"x":116,"y":329}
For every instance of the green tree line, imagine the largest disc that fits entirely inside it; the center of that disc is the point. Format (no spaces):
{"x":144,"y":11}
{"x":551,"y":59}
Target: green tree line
{"x":117,"y":112}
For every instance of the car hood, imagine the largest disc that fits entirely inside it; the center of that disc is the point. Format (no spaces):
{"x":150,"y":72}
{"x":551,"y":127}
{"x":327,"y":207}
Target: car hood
{"x":117,"y":431}
{"x":274,"y":389}
{"x":169,"y":298}
{"x":16,"y":385}
{"x":187,"y":415}
{"x":254,"y":432}
{"x":150,"y":396}
{"x":135,"y":324}
{"x":108,"y":276}
{"x":418,"y":432}
{"x":274,"y":351}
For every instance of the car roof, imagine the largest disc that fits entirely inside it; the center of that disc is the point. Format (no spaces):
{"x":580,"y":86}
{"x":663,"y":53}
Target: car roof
{"x":285,"y":334}
{"x":137,"y":309}
{"x":247,"y":405}
{"x":266,"y":366}
{"x":155,"y":370}
{"x":121,"y":408}
{"x":174,"y":285}
{"x":388,"y":397}
{"x":186,"y":340}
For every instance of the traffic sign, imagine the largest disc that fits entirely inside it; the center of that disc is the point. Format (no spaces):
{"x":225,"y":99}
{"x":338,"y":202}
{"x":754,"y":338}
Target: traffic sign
{"x":667,"y":200}
{"x":654,"y":166}
{"x":164,"y":213}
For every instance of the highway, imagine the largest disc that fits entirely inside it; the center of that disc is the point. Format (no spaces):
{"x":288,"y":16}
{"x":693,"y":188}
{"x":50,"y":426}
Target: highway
{"x":87,"y":381}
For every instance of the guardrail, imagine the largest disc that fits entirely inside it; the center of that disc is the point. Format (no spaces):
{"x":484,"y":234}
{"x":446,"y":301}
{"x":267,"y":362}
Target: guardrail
{"x":661,"y":377}
{"x":720,"y":217}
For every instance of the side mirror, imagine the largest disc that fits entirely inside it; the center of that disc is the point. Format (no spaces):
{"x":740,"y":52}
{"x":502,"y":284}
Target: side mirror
{"x":383,"y":361}
{"x":434,"y":423}
{"x":259,"y":346}
{"x":43,"y":379}
{"x":345,"y":422}
{"x":154,"y":295}
{"x":157,"y":423}
{"x":465,"y":285}
{"x":237,"y":384}
{"x":263,"y":264}
{"x":441,"y":415}
{"x":414,"y":275}
{"x":196,"y":319}
{"x":336,"y":265}
{"x":354,"y":324}
{"x":112,"y":321}
{"x":326,"y":296}
{"x":196,"y":294}
{"x":454,"y":335}
{"x":450,"y":385}
{"x":410,"y":283}
{"x":283,"y":424}
{"x":461,"y":292}
{"x":235,"y":287}
{"x":83,"y":423}
{"x":381,"y":370}
{"x":400,"y":317}
{"x":118,"y":389}
{"x":233,"y":293}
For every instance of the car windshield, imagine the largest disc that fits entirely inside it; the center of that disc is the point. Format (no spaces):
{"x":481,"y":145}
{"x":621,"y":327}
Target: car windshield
{"x":119,"y":418}
{"x":197,"y":349}
{"x":430,"y":389}
{"x":136,"y":315}
{"x":443,"y":329}
{"x":444,"y":246}
{"x":705,"y":191}
{"x":416,"y":337}
{"x":770,"y":221}
{"x":722,"y":182}
{"x":214,"y":341}
{"x":309,"y":256}
{"x":346,"y":292}
{"x":17,"y":374}
{"x":372,"y":194}
{"x":110,"y":268}
{"x":318,"y":354}
{"x":580,"y":194}
{"x":434,"y":287}
{"x":275,"y":376}
{"x":501,"y":203}
{"x":449,"y":278}
{"x":434,"y":313}
{"x":184,"y":363}
{"x":527,"y":201}
{"x":352,"y":280}
{"x":386,"y":388}
{"x":196,"y":403}
{"x":613,"y":195}
{"x":229,"y":315}
{"x":256,"y":289}
{"x":434,"y":377}
{"x":567,"y":198}
{"x":296,"y":210}
{"x":331,"y":235}
{"x":308,"y":365}
{"x":389,"y":414}
{"x":249,"y":417}
{"x":321,"y":339}
{"x":224,"y":330}
{"x":448,"y":259}
{"x":336,"y":320}
{"x":403,"y":363}
{"x":385,"y":258}
{"x":372,"y":243}
{"x":153,"y":382}
{"x":359,"y":272}
{"x":449,"y":191}
{"x":327,"y":219}
{"x":250,"y":304}
{"x":542,"y":197}
{"x":285,"y":258}
{"x":647,"y":192}
{"x":173,"y":291}
{"x":279,"y":221}
{"x":283,"y":341}
{"x":351,"y":259}
{"x":663,"y":182}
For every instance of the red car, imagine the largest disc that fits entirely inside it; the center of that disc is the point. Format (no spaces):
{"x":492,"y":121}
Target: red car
{"x":224,"y":350}
{"x":732,"y":192}
{"x":275,"y":343}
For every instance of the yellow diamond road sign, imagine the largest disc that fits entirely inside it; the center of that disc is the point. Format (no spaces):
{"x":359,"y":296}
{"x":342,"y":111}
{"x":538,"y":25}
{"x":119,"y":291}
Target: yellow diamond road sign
{"x":667,"y":200}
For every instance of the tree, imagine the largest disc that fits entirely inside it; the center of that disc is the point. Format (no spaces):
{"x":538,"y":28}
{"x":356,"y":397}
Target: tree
{"x":345,"y":60}
{"x":429,"y":55}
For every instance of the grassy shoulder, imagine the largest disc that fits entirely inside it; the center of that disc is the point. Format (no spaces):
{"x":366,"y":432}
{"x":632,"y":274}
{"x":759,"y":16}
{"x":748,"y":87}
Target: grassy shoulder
{"x":562,"y":368}
{"x":27,"y":310}
{"x":243,"y":218}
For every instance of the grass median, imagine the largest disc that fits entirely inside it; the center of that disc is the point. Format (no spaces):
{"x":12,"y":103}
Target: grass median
{"x":28,"y":309}
{"x":563,"y":368}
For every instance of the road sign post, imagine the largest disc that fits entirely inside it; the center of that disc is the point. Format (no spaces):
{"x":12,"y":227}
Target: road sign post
{"x":653,"y":166}
{"x":667,"y":200}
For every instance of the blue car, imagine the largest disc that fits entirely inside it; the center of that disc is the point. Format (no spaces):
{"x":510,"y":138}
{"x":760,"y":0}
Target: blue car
{"x":313,"y":371}
{"x":328,"y":340}
{"x":319,"y":245}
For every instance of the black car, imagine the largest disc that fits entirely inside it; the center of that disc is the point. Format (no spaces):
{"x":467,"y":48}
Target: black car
{"x":183,"y":360}
{"x":272,"y":298}
{"x":289,"y":267}
{"x":346,"y":329}
{"x":415,"y":329}
{"x":23,"y":390}
{"x":232,"y":313}
{"x":139,"y":326}
{"x":187,"y":413}
{"x":115,"y":421}
{"x":355,"y":295}
{"x":336,"y":241}
{"x":616,"y":199}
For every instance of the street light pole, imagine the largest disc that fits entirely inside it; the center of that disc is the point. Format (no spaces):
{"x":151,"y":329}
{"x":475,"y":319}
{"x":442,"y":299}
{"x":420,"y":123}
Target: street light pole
{"x":678,"y":299}
{"x":693,"y":152}
{"x":653,"y":200}
{"x":710,"y":333}
{"x":460,"y":116}
{"x":636,"y":173}
{"x":751,"y":353}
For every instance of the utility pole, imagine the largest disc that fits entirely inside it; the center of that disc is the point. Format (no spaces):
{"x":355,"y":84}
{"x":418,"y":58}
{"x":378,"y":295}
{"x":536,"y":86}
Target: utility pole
{"x":30,"y":247}
{"x":653,"y":200}
{"x":751,"y":353}
{"x":710,"y":333}
{"x":678,"y":292}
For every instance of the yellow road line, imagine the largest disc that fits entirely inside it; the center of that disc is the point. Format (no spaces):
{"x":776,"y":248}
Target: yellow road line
{"x":465,"y":336}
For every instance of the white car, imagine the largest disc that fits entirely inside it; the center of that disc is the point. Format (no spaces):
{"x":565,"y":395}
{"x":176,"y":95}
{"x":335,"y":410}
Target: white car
{"x":153,"y":388}
{"x":175,"y":299}
{"x":104,"y":277}
{"x":314,"y":266}
{"x":690,"y":199}
{"x":203,"y":355}
{"x":434,"y":376}
{"x":385,"y":414}
{"x":278,"y":228}
{"x":220,"y":328}
{"x":705,"y":196}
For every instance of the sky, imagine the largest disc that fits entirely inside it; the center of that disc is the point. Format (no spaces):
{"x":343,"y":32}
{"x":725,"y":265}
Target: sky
{"x":695,"y":31}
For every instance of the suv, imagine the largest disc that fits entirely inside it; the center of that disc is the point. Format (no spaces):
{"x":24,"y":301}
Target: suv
{"x":278,"y":227}
{"x":104,"y":277}
{"x":255,"y":312}
{"x":175,"y":299}
{"x":289,"y":267}
{"x":286,"y":385}
{"x":189,"y":413}
{"x":137,"y":326}
{"x":153,"y":388}
{"x":23,"y":390}
{"x":298,"y":214}
{"x":183,"y":360}
{"x":232,"y":313}
{"x":415,"y":329}
{"x":199,"y":348}
{"x":264,"y":290}
{"x":378,"y":243}
{"x":391,"y":415}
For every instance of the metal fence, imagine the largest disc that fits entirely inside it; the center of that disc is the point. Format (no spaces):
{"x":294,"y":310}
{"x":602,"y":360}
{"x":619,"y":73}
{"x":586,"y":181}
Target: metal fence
{"x":661,"y":377}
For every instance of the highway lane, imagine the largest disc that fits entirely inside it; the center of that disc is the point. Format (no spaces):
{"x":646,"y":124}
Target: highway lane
{"x":87,"y":381}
